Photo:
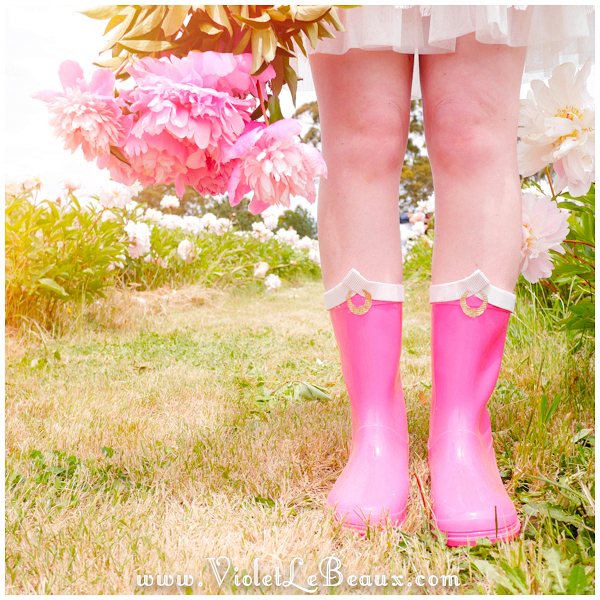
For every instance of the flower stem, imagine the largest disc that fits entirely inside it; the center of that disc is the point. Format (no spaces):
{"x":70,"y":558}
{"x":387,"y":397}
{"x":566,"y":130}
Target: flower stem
{"x":262,"y":104}
{"x":550,"y":182}
{"x":578,"y":242}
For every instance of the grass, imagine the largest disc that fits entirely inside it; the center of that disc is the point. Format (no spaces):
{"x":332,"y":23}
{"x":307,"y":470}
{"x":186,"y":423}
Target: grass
{"x":160,"y":429}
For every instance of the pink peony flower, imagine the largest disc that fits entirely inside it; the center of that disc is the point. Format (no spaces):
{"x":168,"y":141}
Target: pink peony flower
{"x":86,"y":115}
{"x":206,"y":175}
{"x":212,"y":70}
{"x":274,"y":166}
{"x":545,"y":227}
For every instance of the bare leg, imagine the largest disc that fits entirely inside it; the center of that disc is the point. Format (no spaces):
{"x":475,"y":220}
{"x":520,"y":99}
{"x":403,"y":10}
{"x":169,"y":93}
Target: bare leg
{"x":364,"y":105}
{"x":471,"y":105}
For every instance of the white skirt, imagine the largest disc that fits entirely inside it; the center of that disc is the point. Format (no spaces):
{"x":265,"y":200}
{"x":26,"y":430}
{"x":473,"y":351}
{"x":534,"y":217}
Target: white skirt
{"x":553,"y":34}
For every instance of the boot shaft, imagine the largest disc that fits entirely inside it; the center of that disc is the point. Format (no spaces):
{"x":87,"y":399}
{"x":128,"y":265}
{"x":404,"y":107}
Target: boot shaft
{"x":370,"y":350}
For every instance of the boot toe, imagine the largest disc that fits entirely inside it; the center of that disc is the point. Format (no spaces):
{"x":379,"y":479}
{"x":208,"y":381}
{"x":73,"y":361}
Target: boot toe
{"x":373,"y":487}
{"x":469,"y":499}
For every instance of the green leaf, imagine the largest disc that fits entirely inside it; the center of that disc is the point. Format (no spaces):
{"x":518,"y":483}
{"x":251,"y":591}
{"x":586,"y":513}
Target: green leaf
{"x":310,"y":392}
{"x":577,"y":581}
{"x":51,"y":285}
{"x":274,"y":110}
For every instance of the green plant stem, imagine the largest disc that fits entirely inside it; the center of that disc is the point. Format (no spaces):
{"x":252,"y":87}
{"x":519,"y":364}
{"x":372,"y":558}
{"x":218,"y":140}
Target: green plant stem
{"x":550,"y":182}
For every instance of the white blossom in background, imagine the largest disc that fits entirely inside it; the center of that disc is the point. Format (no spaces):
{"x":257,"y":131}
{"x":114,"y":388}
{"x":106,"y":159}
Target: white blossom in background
{"x":153,"y":215}
{"x":315,"y":256}
{"x":427,"y":206}
{"x":139,"y":238}
{"x":418,"y":229}
{"x":72,"y":184}
{"x":117,"y":264}
{"x":172,"y":222}
{"x":272,"y":282}
{"x":288,"y":236}
{"x":260,"y":269}
{"x":222,"y":226}
{"x":557,"y":126}
{"x":193,"y":225}
{"x":545,"y":227}
{"x":115,"y":195}
{"x":186,"y":251}
{"x":305,"y":243}
{"x":170,"y":202}
{"x":261,"y":231}
{"x":271,"y":220}
{"x":23,"y":185}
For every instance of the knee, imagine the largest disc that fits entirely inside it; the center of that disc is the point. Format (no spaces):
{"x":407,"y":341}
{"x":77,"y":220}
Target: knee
{"x":469,"y":133}
{"x":370,"y":145}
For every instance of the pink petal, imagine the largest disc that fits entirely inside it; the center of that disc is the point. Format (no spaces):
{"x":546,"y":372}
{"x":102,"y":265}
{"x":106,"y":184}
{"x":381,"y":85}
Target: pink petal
{"x":103,"y":82}
{"x":69,"y":73}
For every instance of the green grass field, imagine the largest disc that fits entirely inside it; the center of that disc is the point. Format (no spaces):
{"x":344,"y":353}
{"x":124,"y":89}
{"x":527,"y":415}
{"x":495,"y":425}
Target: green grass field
{"x":160,"y":429}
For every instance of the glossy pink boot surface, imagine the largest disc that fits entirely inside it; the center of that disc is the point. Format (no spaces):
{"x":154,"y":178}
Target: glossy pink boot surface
{"x":374,"y":484}
{"x":469,"y":499}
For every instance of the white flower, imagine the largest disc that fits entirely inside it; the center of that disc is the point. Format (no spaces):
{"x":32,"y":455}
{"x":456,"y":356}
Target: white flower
{"x":427,"y":206}
{"x":172,"y":222}
{"x":153,"y":215}
{"x":272,"y":282}
{"x":545,"y":227}
{"x":115,"y":195}
{"x":314,"y":256}
{"x":72,"y":184}
{"x":23,"y":185}
{"x":270,"y":220}
{"x":139,"y":237}
{"x":261,"y":232}
{"x":288,"y":236}
{"x":186,"y":251}
{"x":556,"y":125}
{"x":193,"y":225}
{"x":418,"y":228}
{"x":222,"y":226}
{"x":170,"y":202}
{"x":305,"y":243}
{"x":260,"y":269}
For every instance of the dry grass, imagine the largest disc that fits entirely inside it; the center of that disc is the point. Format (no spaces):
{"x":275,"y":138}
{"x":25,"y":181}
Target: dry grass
{"x":147,"y":439}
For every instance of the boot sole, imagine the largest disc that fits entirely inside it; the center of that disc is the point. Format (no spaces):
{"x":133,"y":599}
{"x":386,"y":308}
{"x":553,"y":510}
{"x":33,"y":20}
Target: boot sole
{"x":504,"y":534}
{"x":394,"y":519}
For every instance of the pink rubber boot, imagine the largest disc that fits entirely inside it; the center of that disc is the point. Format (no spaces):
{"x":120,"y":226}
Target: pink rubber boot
{"x":374,"y":484}
{"x":469,"y":499}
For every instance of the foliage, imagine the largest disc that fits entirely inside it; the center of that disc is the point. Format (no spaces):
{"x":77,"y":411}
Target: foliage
{"x":268,"y":31}
{"x":299,"y":219}
{"x":570,"y":292}
{"x":310,"y":110}
{"x":416,"y":182}
{"x":418,"y":262}
{"x":56,"y":254}
{"x":191,"y":203}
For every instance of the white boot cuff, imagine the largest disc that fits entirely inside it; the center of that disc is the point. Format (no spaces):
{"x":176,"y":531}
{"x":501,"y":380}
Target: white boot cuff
{"x":355,"y":283}
{"x":476,"y":284}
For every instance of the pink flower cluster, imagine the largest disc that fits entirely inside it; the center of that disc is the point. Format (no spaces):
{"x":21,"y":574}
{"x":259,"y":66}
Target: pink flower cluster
{"x":186,"y":120}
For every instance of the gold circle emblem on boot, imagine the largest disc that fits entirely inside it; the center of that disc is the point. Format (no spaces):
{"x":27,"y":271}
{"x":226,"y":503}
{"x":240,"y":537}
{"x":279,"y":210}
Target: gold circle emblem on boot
{"x":472,"y":312}
{"x":359,"y":310}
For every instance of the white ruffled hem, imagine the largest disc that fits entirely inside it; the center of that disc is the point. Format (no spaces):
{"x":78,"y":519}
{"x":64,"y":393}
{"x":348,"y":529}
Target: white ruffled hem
{"x":552,"y":34}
